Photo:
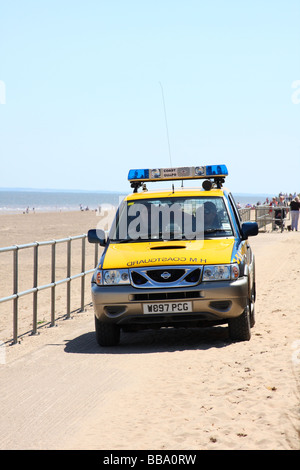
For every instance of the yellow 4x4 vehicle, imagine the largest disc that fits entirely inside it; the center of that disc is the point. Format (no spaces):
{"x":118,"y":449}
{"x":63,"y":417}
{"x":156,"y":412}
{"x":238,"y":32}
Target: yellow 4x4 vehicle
{"x":175,"y":257}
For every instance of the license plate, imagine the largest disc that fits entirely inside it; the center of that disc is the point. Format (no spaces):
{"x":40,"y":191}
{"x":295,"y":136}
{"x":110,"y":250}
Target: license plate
{"x":168,"y":307}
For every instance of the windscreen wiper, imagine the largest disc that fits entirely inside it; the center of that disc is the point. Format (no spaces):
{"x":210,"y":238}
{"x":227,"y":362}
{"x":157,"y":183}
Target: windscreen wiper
{"x":135,"y":240}
{"x":215,"y":230}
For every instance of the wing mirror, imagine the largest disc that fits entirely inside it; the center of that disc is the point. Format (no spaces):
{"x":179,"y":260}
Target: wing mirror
{"x":97,"y":236}
{"x":249,"y":229}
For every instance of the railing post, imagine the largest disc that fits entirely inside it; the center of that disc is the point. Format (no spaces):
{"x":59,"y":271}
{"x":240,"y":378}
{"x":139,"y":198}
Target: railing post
{"x":68,"y":276}
{"x":53,"y":260}
{"x":16,"y":299}
{"x":83,"y":275}
{"x":35,"y":284}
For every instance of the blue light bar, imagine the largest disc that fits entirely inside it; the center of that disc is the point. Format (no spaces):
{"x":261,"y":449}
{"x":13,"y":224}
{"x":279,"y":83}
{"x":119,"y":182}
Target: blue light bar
{"x":191,"y":172}
{"x":138,"y":175}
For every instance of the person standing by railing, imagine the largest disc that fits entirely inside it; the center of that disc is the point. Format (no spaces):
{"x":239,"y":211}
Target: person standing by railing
{"x":295,"y":207}
{"x":273,"y":204}
{"x":281,"y":213}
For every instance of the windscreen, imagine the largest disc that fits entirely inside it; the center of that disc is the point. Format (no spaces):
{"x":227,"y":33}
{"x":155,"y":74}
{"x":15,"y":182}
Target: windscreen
{"x":174,"y":218}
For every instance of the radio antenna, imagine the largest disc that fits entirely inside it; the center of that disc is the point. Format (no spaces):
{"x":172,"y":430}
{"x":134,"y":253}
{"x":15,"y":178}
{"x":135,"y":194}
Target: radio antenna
{"x":166,"y":121}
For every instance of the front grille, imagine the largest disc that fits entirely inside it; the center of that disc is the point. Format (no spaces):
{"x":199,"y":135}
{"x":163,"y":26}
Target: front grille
{"x":194,"y":276}
{"x":166,"y":296}
{"x":163,"y":275}
{"x":167,"y":276}
{"x":138,"y":279}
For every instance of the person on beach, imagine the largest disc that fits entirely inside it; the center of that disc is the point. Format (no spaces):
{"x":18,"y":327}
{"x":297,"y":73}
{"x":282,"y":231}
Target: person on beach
{"x":280,"y":213}
{"x":295,"y":207}
{"x":273,"y":204}
{"x":282,"y":201}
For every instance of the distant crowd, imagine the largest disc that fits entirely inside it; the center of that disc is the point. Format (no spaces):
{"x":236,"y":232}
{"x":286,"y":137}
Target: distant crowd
{"x":290,"y":203}
{"x":283,"y":199}
{"x":280,"y":207}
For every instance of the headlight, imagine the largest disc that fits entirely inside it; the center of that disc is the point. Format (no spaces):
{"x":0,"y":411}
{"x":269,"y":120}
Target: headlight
{"x":112,"y":277}
{"x":222,"y":272}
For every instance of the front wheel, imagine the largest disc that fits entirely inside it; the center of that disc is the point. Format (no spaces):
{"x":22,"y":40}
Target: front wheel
{"x":252,"y":307}
{"x":107,"y":334}
{"x":239,"y":327}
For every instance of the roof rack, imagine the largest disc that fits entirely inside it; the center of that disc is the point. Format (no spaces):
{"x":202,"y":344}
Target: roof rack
{"x":217,"y":173}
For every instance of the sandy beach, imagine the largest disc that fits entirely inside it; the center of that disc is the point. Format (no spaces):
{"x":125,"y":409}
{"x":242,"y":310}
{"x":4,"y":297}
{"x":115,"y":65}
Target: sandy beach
{"x":166,"y":389}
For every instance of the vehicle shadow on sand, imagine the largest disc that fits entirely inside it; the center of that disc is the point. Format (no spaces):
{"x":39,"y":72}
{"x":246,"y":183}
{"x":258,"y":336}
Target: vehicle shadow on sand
{"x":149,"y":341}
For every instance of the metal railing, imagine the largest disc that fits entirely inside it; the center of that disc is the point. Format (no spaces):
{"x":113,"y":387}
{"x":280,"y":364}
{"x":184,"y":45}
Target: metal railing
{"x":267,"y":218}
{"x":15,"y":249}
{"x":245,"y":214}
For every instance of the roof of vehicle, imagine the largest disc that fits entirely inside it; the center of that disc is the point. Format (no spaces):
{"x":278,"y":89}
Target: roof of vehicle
{"x":177,"y":192}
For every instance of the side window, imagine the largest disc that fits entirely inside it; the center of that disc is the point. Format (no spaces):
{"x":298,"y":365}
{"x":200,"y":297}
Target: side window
{"x":235,"y":211}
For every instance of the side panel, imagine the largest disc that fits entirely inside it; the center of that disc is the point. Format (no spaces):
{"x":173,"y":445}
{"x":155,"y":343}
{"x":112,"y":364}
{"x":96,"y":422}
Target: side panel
{"x":242,"y":253}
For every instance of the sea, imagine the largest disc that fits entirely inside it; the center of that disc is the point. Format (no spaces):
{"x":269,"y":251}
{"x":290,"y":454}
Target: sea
{"x":15,"y":200}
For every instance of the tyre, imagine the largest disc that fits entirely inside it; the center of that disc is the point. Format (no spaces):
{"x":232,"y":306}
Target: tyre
{"x":252,"y":310}
{"x":252,"y":315}
{"x":239,"y":327}
{"x":107,"y":334}
{"x":253,"y":299}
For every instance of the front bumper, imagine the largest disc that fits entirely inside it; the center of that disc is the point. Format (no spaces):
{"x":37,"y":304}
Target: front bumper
{"x":212,"y":302}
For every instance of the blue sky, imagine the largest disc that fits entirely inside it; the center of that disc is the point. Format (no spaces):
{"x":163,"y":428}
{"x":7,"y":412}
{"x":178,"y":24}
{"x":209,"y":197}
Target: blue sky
{"x":83,"y":101}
